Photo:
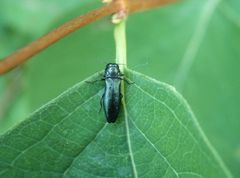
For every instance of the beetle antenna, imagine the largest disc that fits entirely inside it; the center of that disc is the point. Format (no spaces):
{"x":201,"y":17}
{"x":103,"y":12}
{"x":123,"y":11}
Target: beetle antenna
{"x":140,"y":65}
{"x":121,"y":64}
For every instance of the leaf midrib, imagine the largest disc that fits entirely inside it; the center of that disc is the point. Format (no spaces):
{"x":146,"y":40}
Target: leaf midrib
{"x":135,"y":173}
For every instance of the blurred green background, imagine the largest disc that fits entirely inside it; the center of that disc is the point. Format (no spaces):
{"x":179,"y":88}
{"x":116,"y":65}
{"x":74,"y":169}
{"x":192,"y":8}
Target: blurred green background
{"x":193,"y":45}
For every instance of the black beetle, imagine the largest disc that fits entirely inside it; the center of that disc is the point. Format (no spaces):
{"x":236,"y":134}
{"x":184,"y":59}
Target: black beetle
{"x":111,"y":98}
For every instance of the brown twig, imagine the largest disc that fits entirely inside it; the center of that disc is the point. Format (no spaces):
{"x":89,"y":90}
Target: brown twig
{"x":37,"y":46}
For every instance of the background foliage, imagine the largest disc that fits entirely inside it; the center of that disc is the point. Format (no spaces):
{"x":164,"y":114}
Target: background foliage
{"x":192,"y":45}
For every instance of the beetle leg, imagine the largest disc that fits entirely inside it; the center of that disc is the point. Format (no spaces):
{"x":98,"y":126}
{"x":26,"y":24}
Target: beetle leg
{"x":94,"y":81}
{"x":128,"y":81}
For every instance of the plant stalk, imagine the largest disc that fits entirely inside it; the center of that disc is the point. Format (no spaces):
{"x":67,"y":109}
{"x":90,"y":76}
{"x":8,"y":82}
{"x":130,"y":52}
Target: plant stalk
{"x":121,"y":47}
{"x":121,"y":58}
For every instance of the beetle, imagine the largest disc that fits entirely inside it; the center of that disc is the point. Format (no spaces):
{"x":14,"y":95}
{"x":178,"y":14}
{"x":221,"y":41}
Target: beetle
{"x":111,"y":98}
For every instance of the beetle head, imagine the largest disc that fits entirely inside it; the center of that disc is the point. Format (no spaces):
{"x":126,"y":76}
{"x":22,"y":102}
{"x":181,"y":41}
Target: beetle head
{"x":112,"y":70}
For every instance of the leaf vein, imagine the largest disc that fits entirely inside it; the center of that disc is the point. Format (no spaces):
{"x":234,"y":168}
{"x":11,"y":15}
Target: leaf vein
{"x":49,"y":132}
{"x":70,"y":165}
{"x":176,"y":117}
{"x":149,"y":141}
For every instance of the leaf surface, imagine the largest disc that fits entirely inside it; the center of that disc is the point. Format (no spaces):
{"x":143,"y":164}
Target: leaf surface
{"x":156,"y":135}
{"x":193,"y":46}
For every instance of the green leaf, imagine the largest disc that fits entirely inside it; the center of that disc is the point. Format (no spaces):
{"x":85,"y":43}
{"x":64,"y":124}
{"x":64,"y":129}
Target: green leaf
{"x":156,"y":135}
{"x":194,"y":46}
{"x":160,"y":37}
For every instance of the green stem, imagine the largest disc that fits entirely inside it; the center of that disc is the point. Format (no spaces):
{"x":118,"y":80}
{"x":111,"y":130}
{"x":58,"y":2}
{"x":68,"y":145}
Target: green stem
{"x":121,"y":58}
{"x":121,"y":47}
